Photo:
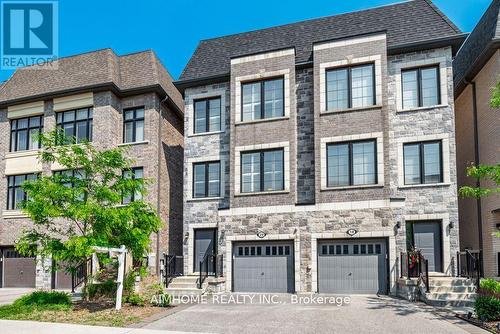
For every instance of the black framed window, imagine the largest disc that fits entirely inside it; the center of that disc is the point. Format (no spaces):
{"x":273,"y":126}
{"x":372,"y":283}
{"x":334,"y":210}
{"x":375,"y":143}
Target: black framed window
{"x":421,"y":87}
{"x":76,"y":124}
{"x":351,"y":163}
{"x":262,"y":171}
{"x":263,"y":99}
{"x":15,"y":193}
{"x":207,"y":115}
{"x":133,"y":125}
{"x":350,"y":87}
{"x":24,"y":133}
{"x":135,"y":173}
{"x":206,"y":179}
{"x":423,"y":162}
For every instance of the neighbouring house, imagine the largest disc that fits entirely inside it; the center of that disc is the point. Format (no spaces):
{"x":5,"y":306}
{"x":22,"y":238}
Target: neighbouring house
{"x":111,"y":101}
{"x":476,"y":72}
{"x":317,"y":152}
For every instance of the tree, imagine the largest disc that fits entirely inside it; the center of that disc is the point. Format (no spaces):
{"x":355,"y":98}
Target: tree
{"x":484,"y":172}
{"x":81,"y":207}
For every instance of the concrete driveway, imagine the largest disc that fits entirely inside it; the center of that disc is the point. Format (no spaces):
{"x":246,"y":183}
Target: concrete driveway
{"x":8,"y":295}
{"x":365,"y":314}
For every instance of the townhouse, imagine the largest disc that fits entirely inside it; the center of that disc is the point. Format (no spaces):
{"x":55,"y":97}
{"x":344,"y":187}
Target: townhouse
{"x":476,"y":73}
{"x":316,"y":152}
{"x":111,"y":101}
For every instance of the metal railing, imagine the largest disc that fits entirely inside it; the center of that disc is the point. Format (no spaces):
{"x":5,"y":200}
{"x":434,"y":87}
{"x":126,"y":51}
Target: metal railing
{"x":469,"y":265}
{"x":79,"y":275}
{"x":172,"y":267}
{"x":211,"y":265}
{"x":415,"y":266}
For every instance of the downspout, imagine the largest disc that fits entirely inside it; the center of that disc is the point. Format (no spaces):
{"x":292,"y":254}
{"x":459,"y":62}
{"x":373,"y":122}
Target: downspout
{"x":476,"y":162}
{"x":158,"y":186}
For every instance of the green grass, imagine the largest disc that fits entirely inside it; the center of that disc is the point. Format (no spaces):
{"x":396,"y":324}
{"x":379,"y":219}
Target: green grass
{"x":36,"y":303}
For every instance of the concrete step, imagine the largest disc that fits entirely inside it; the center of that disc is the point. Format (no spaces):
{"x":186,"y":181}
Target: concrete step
{"x":452,"y":289}
{"x":183,"y":291}
{"x":450,"y":281}
{"x":451,"y":303}
{"x":182,"y":285}
{"x":186,"y":278}
{"x":451,"y":296}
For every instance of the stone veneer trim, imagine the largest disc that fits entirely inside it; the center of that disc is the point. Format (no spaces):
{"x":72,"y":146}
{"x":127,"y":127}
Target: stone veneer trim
{"x":262,"y":56}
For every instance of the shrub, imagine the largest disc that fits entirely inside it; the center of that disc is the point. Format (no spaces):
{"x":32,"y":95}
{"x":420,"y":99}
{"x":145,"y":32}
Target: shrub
{"x":490,"y":285}
{"x":135,"y":299}
{"x":487,"y":308}
{"x":41,"y":298}
{"x":107,"y":289}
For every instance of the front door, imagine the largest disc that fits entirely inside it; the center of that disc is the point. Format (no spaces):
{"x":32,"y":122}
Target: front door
{"x":427,"y":238}
{"x":204,"y":245}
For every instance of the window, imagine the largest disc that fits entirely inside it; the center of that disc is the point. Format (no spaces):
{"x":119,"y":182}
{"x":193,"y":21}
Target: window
{"x":24,"y":133}
{"x":423,"y":162}
{"x":263,"y":99}
{"x":206,"y":179}
{"x":350,"y":87}
{"x":15,"y":192}
{"x":420,"y":87}
{"x":133,"y":125}
{"x":262,"y":171}
{"x":69,"y":178}
{"x":351,"y":163}
{"x":207,"y":115}
{"x":136,"y":173}
{"x":76,"y":124}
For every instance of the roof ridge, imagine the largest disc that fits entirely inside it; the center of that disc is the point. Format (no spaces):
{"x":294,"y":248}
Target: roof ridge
{"x":443,"y":16}
{"x":313,"y":19}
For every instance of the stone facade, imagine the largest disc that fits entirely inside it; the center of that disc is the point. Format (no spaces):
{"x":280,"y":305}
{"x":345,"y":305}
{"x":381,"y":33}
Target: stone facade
{"x":308,"y":211}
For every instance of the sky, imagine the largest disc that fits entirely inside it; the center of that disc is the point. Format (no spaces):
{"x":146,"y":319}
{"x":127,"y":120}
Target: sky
{"x":173,"y":28}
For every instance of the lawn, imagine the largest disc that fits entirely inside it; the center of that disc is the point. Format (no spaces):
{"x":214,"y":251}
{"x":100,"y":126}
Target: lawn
{"x":86,"y":313}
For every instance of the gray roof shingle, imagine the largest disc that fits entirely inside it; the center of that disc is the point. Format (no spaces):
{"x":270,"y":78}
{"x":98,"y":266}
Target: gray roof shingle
{"x":478,"y":47}
{"x":405,"y":23}
{"x":141,"y":70}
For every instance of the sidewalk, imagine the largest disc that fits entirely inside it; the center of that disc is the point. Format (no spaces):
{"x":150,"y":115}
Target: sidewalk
{"x":30,"y":327}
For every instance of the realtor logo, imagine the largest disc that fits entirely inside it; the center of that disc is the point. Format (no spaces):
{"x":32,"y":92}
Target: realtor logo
{"x":29,"y":33}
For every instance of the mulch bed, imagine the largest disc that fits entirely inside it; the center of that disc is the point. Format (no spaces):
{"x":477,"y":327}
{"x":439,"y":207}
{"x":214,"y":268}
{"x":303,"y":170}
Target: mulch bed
{"x":490,"y":326}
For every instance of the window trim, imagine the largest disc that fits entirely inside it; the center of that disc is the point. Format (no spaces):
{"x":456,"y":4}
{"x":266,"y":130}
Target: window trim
{"x":132,"y":170}
{"x":14,"y":187}
{"x":351,"y":168}
{"x":206,"y":164}
{"x":422,"y":162}
{"x":419,"y":69}
{"x":133,"y":121}
{"x":262,"y":97}
{"x":349,"y":84}
{"x":261,"y":170}
{"x":28,"y":129}
{"x":59,"y":125}
{"x":207,"y":114}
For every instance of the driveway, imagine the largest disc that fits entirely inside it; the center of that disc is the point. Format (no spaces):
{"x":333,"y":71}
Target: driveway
{"x":8,"y":295}
{"x":365,"y":314}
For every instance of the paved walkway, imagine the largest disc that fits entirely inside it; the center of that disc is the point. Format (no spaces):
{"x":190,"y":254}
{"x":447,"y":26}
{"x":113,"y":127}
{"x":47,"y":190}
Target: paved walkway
{"x":365,"y":314}
{"x":33,"y":327}
{"x":8,"y":295}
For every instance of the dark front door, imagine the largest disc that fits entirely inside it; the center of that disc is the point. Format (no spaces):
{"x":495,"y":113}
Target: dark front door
{"x":204,"y":245}
{"x":427,"y":238}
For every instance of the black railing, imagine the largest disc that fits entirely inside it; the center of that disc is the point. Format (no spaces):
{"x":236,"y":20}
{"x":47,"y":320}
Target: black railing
{"x":469,"y":265}
{"x":414,"y":265}
{"x":207,"y":265}
{"x":80,"y":274}
{"x":173,"y":267}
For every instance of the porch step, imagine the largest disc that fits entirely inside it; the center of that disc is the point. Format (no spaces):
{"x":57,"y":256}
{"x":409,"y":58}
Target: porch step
{"x":452,"y":289}
{"x":450,"y":281}
{"x":183,"y":291}
{"x":450,"y":296}
{"x":448,"y":291}
{"x":468,"y":304}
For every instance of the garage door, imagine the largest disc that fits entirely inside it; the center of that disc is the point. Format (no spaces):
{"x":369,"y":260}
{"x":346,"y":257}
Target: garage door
{"x":352,"y":266}
{"x":263,"y":267}
{"x":18,"y":271}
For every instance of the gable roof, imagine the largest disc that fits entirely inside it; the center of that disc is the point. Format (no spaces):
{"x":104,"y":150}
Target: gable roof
{"x":102,"y":69}
{"x":406,"y":24}
{"x":482,"y":42}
